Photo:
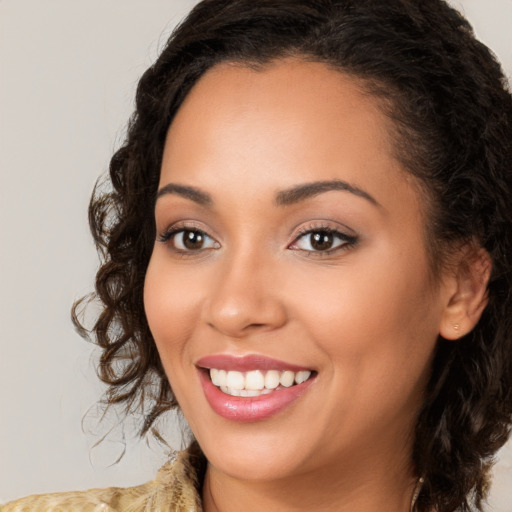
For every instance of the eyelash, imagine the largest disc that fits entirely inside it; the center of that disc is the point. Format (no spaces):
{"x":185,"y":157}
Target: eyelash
{"x":171,"y":233}
{"x":348,"y":241}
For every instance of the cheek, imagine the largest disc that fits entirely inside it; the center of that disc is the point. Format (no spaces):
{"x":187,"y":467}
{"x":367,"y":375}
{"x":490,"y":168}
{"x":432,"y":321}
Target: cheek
{"x":375,"y":319}
{"x":171,"y":302}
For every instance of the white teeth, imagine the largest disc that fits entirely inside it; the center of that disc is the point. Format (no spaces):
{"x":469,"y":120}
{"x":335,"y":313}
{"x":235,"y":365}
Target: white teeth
{"x":214,"y":375}
{"x":302,"y":376}
{"x":272,"y":379}
{"x":244,"y":392}
{"x":255,"y":382}
{"x":287,"y":379}
{"x":218,"y":377}
{"x":235,"y":380}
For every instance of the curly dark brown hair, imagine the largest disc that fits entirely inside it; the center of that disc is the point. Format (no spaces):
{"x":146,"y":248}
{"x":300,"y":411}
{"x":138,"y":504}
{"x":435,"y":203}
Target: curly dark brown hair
{"x":452,"y":111}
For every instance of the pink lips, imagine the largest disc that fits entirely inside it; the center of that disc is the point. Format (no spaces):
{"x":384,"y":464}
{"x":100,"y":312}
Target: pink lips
{"x":248,"y":409}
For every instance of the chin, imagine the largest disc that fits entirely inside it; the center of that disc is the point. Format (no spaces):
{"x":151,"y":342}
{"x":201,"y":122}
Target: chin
{"x":253,"y":456}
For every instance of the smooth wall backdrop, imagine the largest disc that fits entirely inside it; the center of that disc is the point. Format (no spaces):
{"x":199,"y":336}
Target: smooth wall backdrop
{"x":68,"y":72}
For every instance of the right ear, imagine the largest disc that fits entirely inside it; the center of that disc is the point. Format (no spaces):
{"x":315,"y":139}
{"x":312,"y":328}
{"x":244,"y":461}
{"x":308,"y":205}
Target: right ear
{"x":468,"y":296}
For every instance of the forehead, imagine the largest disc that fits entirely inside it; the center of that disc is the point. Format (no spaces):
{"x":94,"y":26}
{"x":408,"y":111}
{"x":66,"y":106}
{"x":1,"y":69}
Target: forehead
{"x":289,"y":107}
{"x":292,"y":91}
{"x":290,"y":122}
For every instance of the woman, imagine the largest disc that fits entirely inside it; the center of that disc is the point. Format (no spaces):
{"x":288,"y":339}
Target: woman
{"x":307,"y":249}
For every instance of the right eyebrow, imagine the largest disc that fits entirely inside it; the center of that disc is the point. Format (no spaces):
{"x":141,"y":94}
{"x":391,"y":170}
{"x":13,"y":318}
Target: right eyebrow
{"x":192,"y":193}
{"x":305,"y":191}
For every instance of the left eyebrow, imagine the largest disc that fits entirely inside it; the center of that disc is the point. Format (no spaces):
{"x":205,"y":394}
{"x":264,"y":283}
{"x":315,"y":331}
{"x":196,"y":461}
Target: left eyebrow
{"x":302,"y":192}
{"x":192,"y":193}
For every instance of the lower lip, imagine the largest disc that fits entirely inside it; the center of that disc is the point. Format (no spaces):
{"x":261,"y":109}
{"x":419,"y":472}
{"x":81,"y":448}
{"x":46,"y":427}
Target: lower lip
{"x":250,"y":409}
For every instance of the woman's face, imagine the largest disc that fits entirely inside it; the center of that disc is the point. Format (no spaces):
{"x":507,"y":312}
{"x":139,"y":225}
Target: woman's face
{"x":289,"y":241}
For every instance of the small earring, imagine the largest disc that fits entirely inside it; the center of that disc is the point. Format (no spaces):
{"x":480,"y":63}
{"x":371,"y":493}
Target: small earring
{"x":456,"y":327}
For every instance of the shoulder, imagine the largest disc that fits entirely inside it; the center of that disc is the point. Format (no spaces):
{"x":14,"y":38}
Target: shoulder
{"x":105,"y":500}
{"x":176,"y":487}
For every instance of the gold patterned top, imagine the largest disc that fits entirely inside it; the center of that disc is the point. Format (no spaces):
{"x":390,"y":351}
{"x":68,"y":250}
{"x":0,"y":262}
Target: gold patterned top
{"x":175,"y":488}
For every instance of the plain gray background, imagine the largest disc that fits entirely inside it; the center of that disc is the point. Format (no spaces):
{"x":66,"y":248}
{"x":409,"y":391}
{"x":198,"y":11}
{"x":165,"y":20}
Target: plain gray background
{"x":68,"y":74}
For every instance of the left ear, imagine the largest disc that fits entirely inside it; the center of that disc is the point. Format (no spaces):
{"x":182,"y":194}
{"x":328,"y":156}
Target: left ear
{"x":467,"y":292}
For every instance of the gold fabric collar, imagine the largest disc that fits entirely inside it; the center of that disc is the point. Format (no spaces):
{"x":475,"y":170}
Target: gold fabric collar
{"x":176,"y":487}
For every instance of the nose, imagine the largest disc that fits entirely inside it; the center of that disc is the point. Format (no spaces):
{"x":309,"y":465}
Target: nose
{"x":245,"y":298}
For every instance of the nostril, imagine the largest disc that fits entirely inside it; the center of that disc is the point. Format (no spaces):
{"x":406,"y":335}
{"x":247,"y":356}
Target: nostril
{"x":255,"y":326}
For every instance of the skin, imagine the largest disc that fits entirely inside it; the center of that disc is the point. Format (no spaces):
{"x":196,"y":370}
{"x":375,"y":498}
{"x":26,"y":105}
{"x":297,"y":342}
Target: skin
{"x":365,"y":316}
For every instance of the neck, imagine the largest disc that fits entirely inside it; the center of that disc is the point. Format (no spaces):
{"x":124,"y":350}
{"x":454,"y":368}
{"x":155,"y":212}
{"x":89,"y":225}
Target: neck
{"x":360,"y":486}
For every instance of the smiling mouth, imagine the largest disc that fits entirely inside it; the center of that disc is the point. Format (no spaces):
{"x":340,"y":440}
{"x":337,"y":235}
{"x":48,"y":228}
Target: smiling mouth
{"x":256,"y":382}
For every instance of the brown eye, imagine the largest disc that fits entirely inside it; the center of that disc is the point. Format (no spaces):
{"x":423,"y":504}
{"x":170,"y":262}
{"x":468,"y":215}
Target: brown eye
{"x":189,"y":240}
{"x":321,"y":240}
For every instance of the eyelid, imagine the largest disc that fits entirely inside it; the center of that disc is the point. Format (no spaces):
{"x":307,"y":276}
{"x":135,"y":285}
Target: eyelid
{"x":171,"y":231}
{"x":185,"y":224}
{"x":345,"y":234}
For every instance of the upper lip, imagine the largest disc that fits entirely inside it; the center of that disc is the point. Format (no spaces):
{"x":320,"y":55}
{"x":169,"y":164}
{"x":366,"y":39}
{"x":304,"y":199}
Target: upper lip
{"x":246,"y":363}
